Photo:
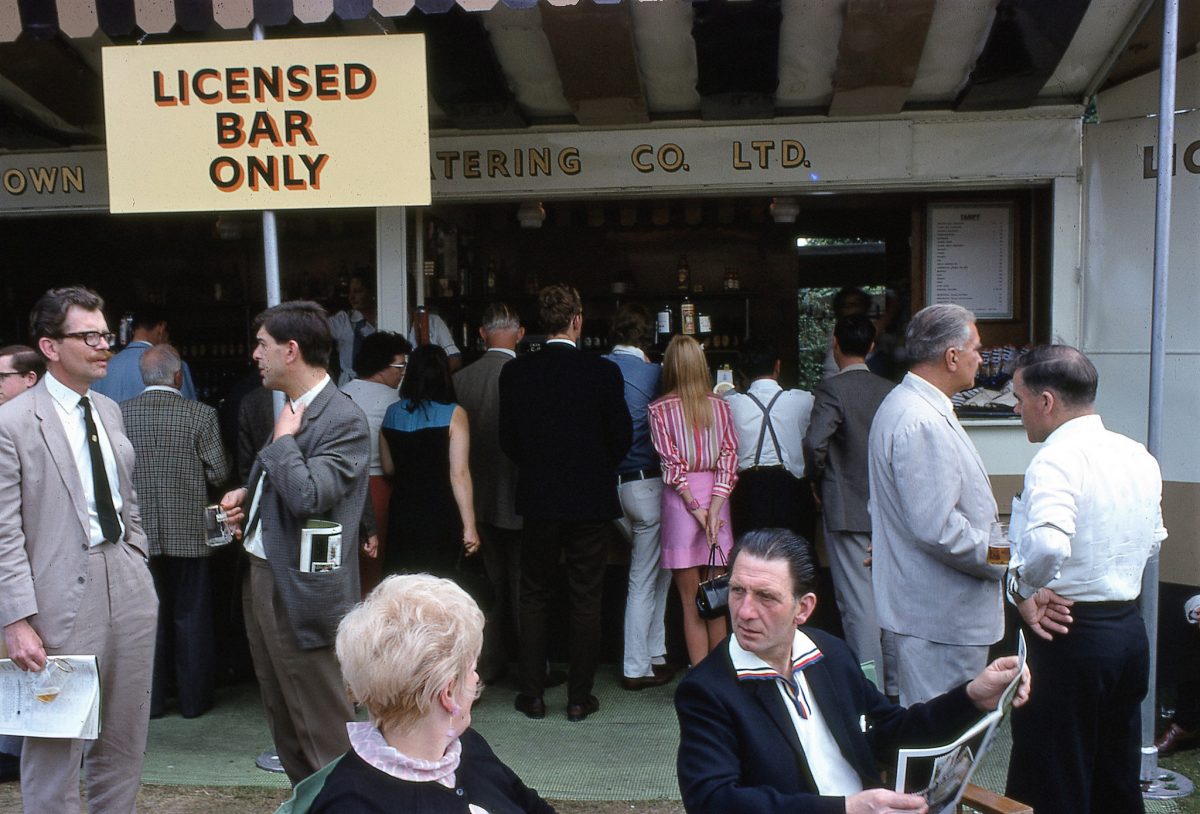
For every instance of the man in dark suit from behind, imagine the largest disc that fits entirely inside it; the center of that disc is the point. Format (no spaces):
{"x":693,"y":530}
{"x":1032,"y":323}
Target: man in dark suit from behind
{"x":835,"y":453}
{"x":179,"y":455}
{"x":564,"y":422}
{"x":314,"y":467}
{"x":495,"y":477}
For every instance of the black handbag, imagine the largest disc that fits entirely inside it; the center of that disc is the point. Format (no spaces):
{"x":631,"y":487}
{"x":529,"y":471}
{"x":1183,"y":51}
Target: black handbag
{"x":712,"y":595}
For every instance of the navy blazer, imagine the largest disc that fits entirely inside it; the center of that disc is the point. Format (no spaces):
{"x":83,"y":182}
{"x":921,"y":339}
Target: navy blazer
{"x":564,"y":423}
{"x":738,"y":750}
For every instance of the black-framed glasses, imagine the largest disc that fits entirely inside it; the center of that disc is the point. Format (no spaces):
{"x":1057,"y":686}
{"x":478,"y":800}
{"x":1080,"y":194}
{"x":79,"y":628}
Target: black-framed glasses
{"x":92,"y":338}
{"x":4,"y":374}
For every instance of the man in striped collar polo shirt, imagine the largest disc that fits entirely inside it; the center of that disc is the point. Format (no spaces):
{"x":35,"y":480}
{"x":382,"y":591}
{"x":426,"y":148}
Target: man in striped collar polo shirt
{"x":773,"y":720}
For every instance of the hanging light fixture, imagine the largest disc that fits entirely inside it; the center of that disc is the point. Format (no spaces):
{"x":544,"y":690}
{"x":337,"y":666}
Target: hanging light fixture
{"x":784,"y":210}
{"x":531,"y":215}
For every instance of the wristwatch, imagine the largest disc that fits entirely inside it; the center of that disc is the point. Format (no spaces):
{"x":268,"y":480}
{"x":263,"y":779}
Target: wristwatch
{"x":695,"y":504}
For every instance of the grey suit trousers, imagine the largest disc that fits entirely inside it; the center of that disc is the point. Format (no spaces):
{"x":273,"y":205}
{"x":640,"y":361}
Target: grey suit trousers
{"x":856,"y":603}
{"x":302,"y":690}
{"x":117,"y":621}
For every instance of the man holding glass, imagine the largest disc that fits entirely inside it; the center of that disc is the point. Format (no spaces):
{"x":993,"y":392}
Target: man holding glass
{"x":1087,"y":520}
{"x":68,"y":514}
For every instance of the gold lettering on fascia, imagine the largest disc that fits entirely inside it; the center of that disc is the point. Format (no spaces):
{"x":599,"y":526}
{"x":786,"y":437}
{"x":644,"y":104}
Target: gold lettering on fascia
{"x":767,"y":153}
{"x":1191,"y":160}
{"x":63,"y":179}
{"x":519,"y":162}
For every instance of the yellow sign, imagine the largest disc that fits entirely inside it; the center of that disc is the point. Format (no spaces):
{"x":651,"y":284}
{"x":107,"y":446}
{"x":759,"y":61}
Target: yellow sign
{"x":273,"y":124}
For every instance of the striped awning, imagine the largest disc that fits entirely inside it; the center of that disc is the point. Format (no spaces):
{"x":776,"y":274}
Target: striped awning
{"x":120,"y":18}
{"x":516,"y":63}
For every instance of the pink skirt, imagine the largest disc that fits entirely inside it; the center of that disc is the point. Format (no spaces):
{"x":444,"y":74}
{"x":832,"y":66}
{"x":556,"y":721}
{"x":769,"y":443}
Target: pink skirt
{"x":684,"y":544}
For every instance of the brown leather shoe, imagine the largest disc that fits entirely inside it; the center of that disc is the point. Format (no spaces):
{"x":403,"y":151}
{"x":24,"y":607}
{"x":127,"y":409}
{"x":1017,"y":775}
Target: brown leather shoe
{"x":642,"y":682}
{"x":668,"y":670}
{"x":577,"y":712}
{"x":1173,"y":739}
{"x":531,"y":706}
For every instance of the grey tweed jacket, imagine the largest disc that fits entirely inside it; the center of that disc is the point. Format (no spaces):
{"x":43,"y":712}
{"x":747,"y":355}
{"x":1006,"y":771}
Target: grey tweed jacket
{"x":318,"y":473}
{"x":477,"y":387}
{"x":178,"y":446}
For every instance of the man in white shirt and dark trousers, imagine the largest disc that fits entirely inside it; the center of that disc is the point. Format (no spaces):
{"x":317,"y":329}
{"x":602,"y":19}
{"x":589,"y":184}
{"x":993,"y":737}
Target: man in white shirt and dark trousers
{"x":770,"y":423}
{"x":1083,"y":527}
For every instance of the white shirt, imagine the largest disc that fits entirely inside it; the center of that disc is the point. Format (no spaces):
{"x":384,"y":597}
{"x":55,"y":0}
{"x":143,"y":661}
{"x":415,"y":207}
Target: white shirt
{"x":439,"y":335}
{"x":70,"y":413}
{"x":1088,"y":517}
{"x":253,"y":542}
{"x":833,"y":774}
{"x":630,"y":350}
{"x":374,"y":398}
{"x":341,"y":325}
{"x":789,"y":417}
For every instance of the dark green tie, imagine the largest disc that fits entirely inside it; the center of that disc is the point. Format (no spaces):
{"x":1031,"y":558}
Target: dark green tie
{"x":110,"y":526}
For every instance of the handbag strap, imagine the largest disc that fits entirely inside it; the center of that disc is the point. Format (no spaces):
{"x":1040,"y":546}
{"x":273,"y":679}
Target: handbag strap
{"x":713,"y":552}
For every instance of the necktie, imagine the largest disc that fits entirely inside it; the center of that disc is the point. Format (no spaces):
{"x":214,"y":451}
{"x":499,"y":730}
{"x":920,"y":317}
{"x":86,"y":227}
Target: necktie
{"x":110,"y":526}
{"x":358,"y":337}
{"x":255,"y":511}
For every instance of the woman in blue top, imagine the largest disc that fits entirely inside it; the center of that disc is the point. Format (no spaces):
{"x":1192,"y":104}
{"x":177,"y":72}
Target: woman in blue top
{"x":424,"y":446}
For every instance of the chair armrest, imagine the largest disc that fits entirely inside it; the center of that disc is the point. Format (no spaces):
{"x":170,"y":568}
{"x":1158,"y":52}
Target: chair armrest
{"x":989,"y":802}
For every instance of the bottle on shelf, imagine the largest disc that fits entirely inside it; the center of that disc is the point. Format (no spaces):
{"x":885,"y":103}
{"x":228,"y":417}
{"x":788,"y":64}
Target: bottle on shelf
{"x":662,"y":323}
{"x":683,"y":275}
{"x":687,"y":316}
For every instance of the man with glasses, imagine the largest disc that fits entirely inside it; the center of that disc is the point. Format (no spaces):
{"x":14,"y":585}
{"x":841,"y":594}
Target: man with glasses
{"x":68,"y":515}
{"x":20,"y":369}
{"x":931,"y":509}
{"x":381,"y":361}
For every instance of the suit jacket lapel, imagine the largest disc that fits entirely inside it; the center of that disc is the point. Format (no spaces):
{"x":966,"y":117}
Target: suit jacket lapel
{"x":55,"y":438}
{"x":767,"y":694}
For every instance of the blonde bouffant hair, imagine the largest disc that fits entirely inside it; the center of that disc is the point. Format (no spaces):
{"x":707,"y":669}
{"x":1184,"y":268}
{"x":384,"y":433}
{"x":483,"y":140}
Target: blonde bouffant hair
{"x":685,"y":374}
{"x":407,"y":640}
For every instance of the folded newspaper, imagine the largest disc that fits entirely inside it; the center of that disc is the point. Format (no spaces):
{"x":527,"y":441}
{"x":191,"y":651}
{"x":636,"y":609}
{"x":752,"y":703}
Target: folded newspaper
{"x":941,"y":773}
{"x":68,"y":707}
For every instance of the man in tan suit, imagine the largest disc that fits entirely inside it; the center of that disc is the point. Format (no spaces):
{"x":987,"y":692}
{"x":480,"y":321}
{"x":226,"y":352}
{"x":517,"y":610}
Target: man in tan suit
{"x":93,"y":593}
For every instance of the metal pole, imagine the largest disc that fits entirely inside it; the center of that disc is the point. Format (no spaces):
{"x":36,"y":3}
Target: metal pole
{"x":1158,"y":783}
{"x":419,"y":265}
{"x":270,"y":244}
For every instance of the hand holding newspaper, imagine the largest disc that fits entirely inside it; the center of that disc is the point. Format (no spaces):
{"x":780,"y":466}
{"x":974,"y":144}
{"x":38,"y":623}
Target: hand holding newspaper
{"x":949,"y":768}
{"x":60,"y":701}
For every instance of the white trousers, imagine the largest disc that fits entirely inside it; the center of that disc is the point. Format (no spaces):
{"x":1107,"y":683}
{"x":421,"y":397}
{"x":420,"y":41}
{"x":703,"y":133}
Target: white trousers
{"x":645,"y":635}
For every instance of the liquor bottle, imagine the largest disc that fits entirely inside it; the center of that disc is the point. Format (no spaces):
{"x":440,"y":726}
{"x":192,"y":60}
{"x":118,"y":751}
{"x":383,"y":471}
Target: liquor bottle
{"x":491,"y":277}
{"x":687,"y":315}
{"x":662,"y":324}
{"x":683,"y":275}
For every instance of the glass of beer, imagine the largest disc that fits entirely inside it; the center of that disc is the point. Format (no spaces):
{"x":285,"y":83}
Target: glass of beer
{"x":49,"y":681}
{"x":999,"y":546}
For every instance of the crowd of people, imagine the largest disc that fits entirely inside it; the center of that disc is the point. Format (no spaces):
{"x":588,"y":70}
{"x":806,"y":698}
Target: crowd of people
{"x":515,"y":471}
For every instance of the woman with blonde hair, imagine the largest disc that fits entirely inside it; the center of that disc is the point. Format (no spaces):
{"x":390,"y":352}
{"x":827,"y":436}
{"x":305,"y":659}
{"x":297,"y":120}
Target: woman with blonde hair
{"x":408,"y":654}
{"x":694,"y":434}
